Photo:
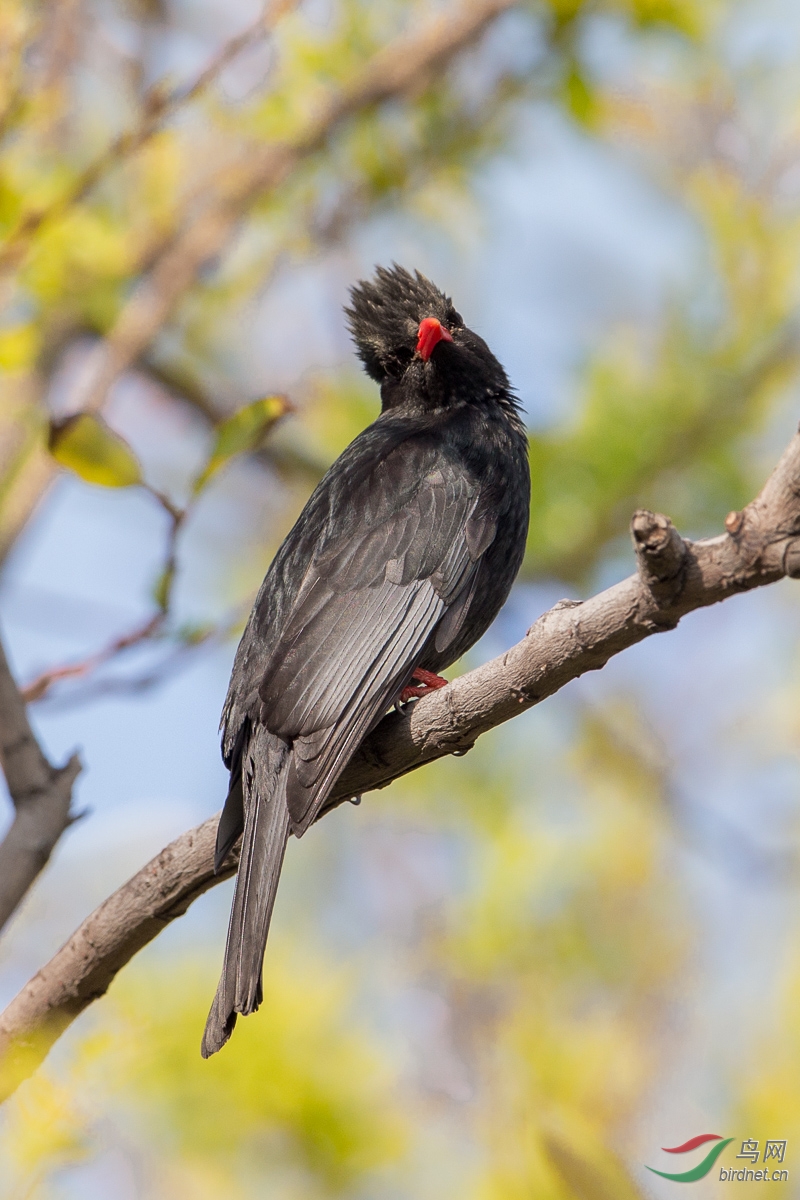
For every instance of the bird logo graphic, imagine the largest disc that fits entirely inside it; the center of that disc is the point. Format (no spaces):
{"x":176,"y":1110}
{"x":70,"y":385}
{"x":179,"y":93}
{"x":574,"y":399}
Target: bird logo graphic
{"x":704,"y":1166}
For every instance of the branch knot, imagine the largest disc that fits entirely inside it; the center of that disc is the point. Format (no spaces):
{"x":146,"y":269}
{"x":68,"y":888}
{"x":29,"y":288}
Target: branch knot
{"x":660,"y":555}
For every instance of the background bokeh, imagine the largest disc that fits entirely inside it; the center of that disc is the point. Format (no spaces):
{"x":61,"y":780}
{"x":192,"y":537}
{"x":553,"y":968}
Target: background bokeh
{"x":518,"y":974}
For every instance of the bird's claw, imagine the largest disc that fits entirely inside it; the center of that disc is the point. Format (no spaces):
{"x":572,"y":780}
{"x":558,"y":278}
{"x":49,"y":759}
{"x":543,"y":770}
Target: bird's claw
{"x":427,"y":681}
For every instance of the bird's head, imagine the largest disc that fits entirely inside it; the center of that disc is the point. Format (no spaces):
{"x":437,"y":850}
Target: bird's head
{"x":412,"y":341}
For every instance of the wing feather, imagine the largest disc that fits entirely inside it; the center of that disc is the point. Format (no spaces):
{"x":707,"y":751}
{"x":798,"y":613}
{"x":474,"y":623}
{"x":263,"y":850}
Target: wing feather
{"x":397,"y":556}
{"x":319,"y":757}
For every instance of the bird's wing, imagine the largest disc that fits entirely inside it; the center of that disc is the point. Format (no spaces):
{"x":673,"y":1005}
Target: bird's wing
{"x":400,"y":566}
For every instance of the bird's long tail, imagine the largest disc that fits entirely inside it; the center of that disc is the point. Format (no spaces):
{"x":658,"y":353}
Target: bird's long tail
{"x":266,"y":830}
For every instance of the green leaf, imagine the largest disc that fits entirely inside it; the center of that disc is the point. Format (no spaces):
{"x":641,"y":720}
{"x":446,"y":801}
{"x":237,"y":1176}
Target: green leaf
{"x":579,"y":96}
{"x":86,"y":445}
{"x":242,"y":432}
{"x":162,"y":589}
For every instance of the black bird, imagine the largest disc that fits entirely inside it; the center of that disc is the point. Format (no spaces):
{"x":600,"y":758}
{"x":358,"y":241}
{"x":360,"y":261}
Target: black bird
{"x":400,"y":560}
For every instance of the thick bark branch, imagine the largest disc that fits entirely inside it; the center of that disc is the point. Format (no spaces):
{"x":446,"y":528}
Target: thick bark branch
{"x":41,"y":795}
{"x":673,"y":577}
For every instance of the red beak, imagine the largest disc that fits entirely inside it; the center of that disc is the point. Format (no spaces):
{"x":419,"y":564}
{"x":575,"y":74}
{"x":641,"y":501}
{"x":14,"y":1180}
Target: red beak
{"x":431,"y":332}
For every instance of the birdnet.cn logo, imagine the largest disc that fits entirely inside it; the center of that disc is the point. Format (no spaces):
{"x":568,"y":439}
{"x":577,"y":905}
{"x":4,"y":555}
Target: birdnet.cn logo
{"x":774,"y":1153}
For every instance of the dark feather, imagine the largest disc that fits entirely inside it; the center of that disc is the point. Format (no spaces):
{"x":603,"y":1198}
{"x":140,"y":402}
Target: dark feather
{"x":401,"y":559}
{"x":266,"y":830}
{"x":231,"y":823}
{"x":384,"y":316}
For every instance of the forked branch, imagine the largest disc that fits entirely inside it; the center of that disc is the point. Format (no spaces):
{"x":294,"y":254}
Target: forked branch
{"x":41,"y":795}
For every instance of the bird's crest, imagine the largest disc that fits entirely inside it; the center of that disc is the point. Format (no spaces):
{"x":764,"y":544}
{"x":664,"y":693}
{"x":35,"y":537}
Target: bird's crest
{"x":385,"y":314}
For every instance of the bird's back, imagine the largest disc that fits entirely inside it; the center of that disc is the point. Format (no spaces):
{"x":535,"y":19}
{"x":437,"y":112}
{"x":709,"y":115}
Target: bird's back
{"x":375,"y":476}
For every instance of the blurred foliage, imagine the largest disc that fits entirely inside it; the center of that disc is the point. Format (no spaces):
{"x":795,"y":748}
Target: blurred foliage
{"x":299,"y":1090}
{"x":766,"y":1081}
{"x":91,"y":193}
{"x":561,"y":941}
{"x":244,"y":431}
{"x":554,"y":956}
{"x":662,"y":421}
{"x":558,"y":959}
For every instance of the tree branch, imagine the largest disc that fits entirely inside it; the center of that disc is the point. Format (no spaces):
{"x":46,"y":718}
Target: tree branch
{"x":41,"y":686}
{"x":673,"y":578}
{"x":392,"y":72}
{"x":158,"y":105}
{"x":25,"y":479}
{"x":41,"y":795}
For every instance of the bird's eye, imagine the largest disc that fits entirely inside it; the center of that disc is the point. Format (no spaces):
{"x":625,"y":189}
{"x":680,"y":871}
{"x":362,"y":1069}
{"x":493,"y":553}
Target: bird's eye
{"x":455,"y":320}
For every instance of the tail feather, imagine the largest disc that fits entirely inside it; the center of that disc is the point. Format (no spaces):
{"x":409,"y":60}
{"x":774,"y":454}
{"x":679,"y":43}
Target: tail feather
{"x":231,"y":823}
{"x":266,"y":830}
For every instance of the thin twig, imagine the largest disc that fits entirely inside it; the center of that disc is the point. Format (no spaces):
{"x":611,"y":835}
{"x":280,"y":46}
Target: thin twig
{"x":393,"y":71}
{"x":157,"y":106}
{"x":396,"y":70}
{"x":182,"y":651}
{"x":39,"y":687}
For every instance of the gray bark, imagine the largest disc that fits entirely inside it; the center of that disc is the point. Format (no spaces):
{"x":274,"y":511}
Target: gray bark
{"x":41,"y":795}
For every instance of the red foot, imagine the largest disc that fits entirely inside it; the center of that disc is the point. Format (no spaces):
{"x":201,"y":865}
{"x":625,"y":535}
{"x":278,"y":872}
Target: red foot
{"x":429,"y":682}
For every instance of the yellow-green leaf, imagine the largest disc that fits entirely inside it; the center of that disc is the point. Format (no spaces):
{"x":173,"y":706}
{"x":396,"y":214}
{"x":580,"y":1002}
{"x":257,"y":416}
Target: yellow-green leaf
{"x":242,"y":432}
{"x":19,"y":345}
{"x":86,"y":445}
{"x":579,"y":96}
{"x":163,"y":587}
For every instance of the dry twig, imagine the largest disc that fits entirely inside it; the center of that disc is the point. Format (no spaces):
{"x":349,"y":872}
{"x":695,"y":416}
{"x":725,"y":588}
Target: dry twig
{"x":41,"y":686}
{"x":145,"y":631}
